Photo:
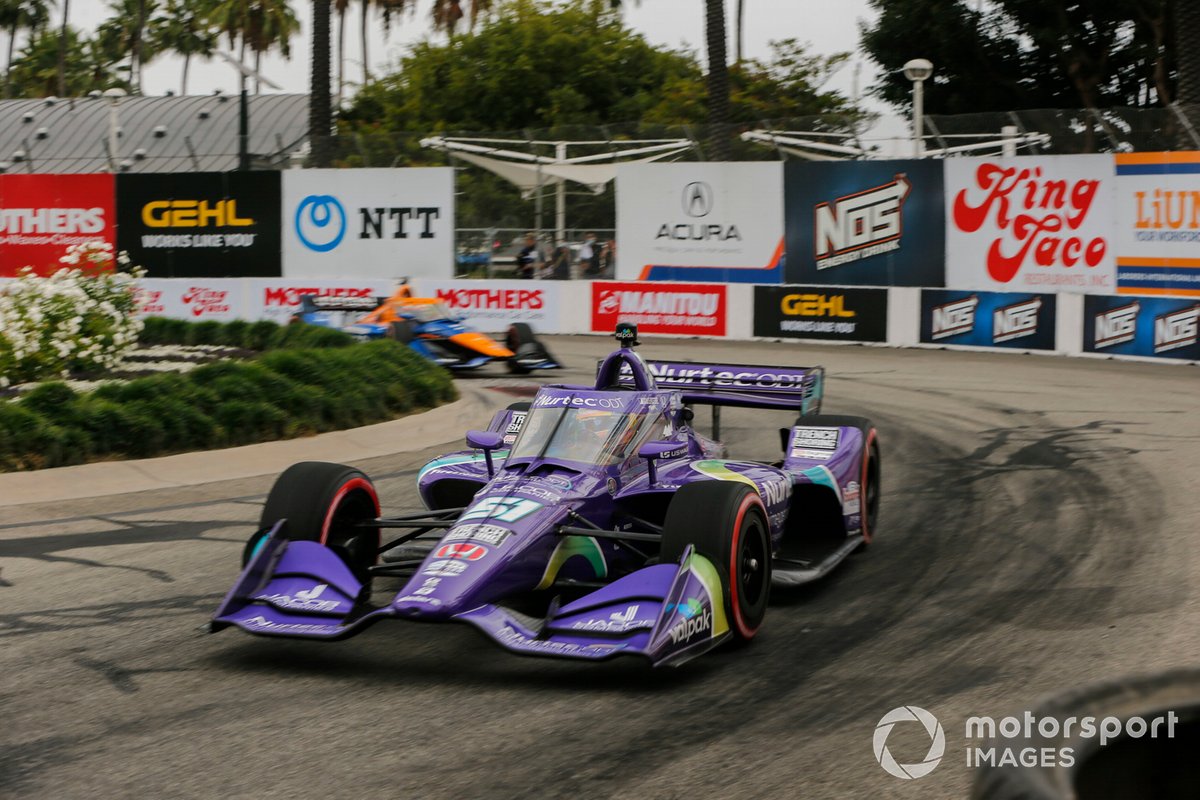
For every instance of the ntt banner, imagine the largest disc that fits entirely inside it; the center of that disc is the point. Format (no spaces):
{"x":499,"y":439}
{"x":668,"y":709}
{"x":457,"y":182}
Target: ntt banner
{"x":690,"y":309}
{"x":1158,"y":327}
{"x":1158,"y":232}
{"x":494,"y":305}
{"x":1037,"y":224}
{"x":988,"y":319}
{"x":42,"y":215}
{"x":820,"y":312}
{"x":200,"y":224}
{"x":368,"y":223}
{"x":719,"y":221}
{"x":865,"y":223}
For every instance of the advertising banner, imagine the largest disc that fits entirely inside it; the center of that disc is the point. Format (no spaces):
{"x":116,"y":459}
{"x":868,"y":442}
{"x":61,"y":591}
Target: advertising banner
{"x":1027,"y":223}
{"x":278,"y":299}
{"x":719,"y":222}
{"x":494,"y":305}
{"x":1158,"y":223}
{"x":865,"y":223}
{"x":1142,"y":326}
{"x":368,"y":223}
{"x":988,"y":319}
{"x":201,"y":299}
{"x":42,"y":215}
{"x":820,"y":312}
{"x":200,"y":224}
{"x":691,"y":309}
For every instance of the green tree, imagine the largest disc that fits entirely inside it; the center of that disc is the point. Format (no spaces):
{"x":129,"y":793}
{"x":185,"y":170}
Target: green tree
{"x":123,"y":35}
{"x":447,"y":14}
{"x":21,"y":15}
{"x":320,"y":112}
{"x":35,"y":72}
{"x":1022,"y":54}
{"x":270,"y":26}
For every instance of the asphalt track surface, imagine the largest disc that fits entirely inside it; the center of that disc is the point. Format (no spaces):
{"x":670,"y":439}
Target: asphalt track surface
{"x":1039,"y":525}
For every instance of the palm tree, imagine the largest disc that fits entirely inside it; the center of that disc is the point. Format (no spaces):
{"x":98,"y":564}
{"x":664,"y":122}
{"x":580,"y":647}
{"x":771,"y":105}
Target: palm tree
{"x":15,"y":15}
{"x":447,"y":13}
{"x":124,"y":34}
{"x":183,"y":28}
{"x":62,"y":50}
{"x":320,"y":114}
{"x":341,"y":6}
{"x":271,"y":24}
{"x":717,"y":79}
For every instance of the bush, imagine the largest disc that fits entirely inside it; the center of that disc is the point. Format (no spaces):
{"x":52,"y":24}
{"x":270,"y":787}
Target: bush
{"x":287,"y":392}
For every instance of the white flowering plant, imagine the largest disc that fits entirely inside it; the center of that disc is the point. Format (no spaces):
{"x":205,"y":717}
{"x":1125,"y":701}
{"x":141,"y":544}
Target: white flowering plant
{"x":82,"y":318}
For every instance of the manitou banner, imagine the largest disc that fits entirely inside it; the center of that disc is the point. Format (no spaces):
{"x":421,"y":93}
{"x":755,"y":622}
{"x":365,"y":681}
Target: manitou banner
{"x":42,"y":215}
{"x":691,"y":309}
{"x":1039,"y":224}
{"x":700,"y":222}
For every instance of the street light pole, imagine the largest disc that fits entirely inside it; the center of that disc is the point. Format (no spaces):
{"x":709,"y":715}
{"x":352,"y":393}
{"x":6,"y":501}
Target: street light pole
{"x":113,"y":96}
{"x":918,"y":71}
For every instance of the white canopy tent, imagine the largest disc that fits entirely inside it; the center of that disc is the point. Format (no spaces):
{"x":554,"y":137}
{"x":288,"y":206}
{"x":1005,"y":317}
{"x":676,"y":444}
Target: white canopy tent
{"x":530,"y":172}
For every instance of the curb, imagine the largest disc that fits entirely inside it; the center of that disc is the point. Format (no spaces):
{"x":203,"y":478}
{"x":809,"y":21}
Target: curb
{"x":415,"y":432}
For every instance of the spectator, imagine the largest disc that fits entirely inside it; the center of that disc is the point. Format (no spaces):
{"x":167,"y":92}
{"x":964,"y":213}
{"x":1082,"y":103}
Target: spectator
{"x":529,"y":258}
{"x":608,"y":259}
{"x":559,"y":268}
{"x":589,"y":256}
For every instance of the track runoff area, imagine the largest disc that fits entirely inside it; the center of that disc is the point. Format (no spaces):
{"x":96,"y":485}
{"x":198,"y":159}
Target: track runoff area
{"x":1035,"y":535}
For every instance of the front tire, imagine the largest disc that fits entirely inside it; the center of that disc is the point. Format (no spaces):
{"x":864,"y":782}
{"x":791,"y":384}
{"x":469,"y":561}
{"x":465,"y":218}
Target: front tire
{"x":324,"y":502}
{"x":727,"y":523}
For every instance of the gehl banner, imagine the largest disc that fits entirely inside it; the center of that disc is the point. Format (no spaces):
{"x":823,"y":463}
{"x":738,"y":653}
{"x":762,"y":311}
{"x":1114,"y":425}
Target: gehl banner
{"x":821,"y":312}
{"x":201,"y":225}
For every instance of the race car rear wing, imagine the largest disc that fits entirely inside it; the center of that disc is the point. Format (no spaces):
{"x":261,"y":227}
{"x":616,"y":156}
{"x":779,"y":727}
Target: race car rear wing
{"x":798,"y":389}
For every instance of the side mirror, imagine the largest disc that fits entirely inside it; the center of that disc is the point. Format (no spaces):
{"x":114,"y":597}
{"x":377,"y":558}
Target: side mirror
{"x":487,"y":441}
{"x":653,"y":451}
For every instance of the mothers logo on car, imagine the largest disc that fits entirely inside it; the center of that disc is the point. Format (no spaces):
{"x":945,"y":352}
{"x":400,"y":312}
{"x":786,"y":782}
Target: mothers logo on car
{"x":462,"y":550}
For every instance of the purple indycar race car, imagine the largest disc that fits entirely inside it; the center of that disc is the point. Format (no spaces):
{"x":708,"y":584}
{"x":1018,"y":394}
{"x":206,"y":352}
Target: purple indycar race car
{"x":590,"y":523}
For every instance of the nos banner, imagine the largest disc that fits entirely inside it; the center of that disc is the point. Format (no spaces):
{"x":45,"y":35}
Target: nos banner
{"x":1142,"y":326}
{"x":42,"y":215}
{"x":1030,"y":223}
{"x":693,"y":309}
{"x":988,"y":319}
{"x":200,"y":224}
{"x":820,"y":312}
{"x":865,"y":223}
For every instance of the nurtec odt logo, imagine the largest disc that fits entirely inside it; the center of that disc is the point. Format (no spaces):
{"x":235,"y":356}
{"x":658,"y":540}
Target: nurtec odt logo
{"x":937,"y":744}
{"x":320,"y":222}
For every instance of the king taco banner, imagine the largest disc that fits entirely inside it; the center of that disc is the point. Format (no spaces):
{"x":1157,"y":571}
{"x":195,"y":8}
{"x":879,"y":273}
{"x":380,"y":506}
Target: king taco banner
{"x":1039,"y":224}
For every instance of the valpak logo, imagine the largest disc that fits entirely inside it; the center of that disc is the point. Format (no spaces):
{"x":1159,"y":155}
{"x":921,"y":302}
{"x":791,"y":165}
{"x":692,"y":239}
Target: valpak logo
{"x":860,"y":225}
{"x":321,"y":222}
{"x":955,"y":318}
{"x":202,"y":301}
{"x":1117,"y":325}
{"x":699,"y":201}
{"x":1176,"y":329}
{"x":1036,"y":218}
{"x":1016,"y":320}
{"x":681,"y":309}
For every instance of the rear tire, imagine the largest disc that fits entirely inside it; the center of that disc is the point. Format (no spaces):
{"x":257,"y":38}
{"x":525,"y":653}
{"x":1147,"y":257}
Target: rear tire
{"x":324,"y":503}
{"x":727,"y":524}
{"x":871,"y":466}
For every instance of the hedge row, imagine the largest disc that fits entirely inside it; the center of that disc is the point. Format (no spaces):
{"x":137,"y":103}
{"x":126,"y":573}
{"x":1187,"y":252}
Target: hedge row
{"x":262,"y":335}
{"x":284,"y":393}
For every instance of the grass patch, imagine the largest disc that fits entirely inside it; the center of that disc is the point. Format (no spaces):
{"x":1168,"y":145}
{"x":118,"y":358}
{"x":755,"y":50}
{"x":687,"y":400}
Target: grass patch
{"x":309,"y":380}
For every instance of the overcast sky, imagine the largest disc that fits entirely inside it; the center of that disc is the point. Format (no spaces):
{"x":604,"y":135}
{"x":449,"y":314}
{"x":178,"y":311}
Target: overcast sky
{"x":827,"y":27}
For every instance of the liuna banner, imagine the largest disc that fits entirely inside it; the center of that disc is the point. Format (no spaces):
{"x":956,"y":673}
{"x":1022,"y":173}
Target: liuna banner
{"x":988,"y":319}
{"x":1158,"y":232}
{"x":821,"y":312}
{"x":1160,"y":327}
